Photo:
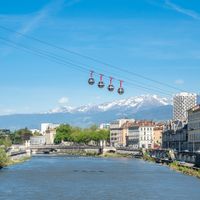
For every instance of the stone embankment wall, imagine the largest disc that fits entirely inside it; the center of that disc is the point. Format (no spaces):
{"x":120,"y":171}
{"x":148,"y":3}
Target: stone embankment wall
{"x":20,"y":155}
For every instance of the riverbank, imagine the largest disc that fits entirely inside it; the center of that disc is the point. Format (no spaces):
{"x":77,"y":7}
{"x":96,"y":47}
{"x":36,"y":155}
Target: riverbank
{"x":173,"y":165}
{"x":184,"y":169}
{"x":176,"y":166}
{"x":18,"y":161}
{"x":115,"y":155}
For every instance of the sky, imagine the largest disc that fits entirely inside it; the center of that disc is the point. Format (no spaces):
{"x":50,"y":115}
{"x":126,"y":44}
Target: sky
{"x":156,"y":39}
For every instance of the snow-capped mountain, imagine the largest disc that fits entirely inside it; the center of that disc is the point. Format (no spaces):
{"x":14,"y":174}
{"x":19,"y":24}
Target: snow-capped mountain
{"x":137,"y":103}
{"x":147,"y":107}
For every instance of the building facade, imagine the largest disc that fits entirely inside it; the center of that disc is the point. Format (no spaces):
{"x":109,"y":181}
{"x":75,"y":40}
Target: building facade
{"x":146,"y":134}
{"x":117,"y":132}
{"x":157,"y":136}
{"x":133,"y":136}
{"x":175,"y":136}
{"x":47,"y":126}
{"x":194,"y":128}
{"x":105,"y":126}
{"x":182,"y":102}
{"x":50,"y":136}
{"x":37,"y":140}
{"x":140,"y":135}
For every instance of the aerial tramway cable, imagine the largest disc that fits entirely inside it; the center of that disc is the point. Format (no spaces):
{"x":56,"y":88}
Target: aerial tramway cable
{"x":60,"y":61}
{"x":91,"y":58}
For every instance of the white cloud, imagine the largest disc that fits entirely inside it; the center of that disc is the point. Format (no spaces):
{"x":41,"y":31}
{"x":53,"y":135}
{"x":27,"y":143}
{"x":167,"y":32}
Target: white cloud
{"x":54,"y":6}
{"x":184,"y":11}
{"x":37,"y":18}
{"x":63,"y":100}
{"x":179,"y":82}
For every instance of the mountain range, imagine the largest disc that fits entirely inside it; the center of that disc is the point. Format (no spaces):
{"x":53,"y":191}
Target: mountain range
{"x":150,"y":107}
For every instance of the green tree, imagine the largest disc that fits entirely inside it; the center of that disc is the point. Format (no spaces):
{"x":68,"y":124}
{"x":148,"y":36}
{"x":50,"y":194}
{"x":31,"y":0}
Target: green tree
{"x":36,"y":133}
{"x":20,"y":136}
{"x":81,"y":136}
{"x":63,"y":133}
{"x":6,"y":142}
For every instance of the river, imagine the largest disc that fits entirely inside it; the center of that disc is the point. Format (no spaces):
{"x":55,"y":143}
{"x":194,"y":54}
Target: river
{"x":74,"y":178}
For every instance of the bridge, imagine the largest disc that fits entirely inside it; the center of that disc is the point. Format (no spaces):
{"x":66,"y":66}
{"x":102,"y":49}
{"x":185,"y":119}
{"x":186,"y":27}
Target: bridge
{"x":63,"y":148}
{"x":88,"y":149}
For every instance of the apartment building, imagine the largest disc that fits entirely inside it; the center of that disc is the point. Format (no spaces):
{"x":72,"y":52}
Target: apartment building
{"x":118,"y":132}
{"x":157,"y":136}
{"x":182,"y":102}
{"x":140,"y":134}
{"x":194,"y":128}
{"x":175,"y":136}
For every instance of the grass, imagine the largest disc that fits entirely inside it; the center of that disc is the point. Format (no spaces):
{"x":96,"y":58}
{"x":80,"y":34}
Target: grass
{"x":17,"y":161}
{"x":115,"y":155}
{"x":185,"y":170}
{"x":177,"y":167}
{"x":146,"y":157}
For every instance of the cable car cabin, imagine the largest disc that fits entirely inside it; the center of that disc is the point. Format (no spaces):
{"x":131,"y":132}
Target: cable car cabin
{"x":111,"y":88}
{"x":91,"y":81}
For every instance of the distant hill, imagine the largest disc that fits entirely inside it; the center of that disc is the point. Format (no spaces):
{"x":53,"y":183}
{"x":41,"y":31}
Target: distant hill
{"x":149,"y":107}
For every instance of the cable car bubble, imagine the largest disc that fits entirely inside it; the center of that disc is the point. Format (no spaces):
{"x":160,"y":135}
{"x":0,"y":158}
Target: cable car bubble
{"x":91,"y":80}
{"x":101,"y":83}
{"x":120,"y":89}
{"x":110,"y":86}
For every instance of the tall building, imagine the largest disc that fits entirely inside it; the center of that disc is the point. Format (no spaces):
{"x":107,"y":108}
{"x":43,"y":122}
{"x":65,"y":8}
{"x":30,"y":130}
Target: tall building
{"x":182,"y":102}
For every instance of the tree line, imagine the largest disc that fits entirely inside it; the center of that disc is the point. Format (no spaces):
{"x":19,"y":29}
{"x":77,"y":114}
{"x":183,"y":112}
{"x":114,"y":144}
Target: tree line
{"x":64,"y":133}
{"x":67,"y":133}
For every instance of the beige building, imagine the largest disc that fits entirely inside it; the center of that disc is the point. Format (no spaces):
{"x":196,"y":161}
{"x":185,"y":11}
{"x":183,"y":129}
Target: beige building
{"x":117,"y":134}
{"x":125,"y":131}
{"x":157,"y":136}
{"x":50,"y":136}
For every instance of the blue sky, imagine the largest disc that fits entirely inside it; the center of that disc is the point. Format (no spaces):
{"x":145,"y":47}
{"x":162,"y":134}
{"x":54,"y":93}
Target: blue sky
{"x":158,"y":39}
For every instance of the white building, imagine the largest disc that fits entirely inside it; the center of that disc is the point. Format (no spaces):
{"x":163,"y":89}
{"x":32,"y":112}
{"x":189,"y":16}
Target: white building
{"x":37,"y":140}
{"x":141,"y":135}
{"x":35,"y":130}
{"x":47,"y":126}
{"x":104,"y":126}
{"x":182,"y":102}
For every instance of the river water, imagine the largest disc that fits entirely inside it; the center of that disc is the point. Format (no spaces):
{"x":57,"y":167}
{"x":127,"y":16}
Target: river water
{"x":74,"y":178}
